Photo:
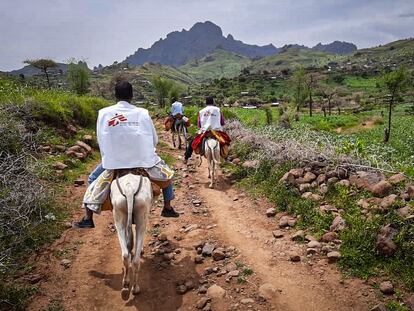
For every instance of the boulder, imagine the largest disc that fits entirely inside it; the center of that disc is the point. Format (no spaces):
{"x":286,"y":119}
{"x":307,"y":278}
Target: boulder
{"x":75,"y":148}
{"x":329,"y":237}
{"x":297,"y":172}
{"x":381,"y":189}
{"x":309,"y":177}
{"x":388,"y":201}
{"x":218,"y":255}
{"x":314,"y":244}
{"x":338,"y":224}
{"x":396,"y":179}
{"x":216,"y":292}
{"x":321,"y":179}
{"x":385,"y":245}
{"x":284,"y":222}
{"x":304,"y":187}
{"x":332,"y":180}
{"x":251,"y":164}
{"x":410,"y":191}
{"x":298,"y":236}
{"x":278,"y":234}
{"x":59,"y":166}
{"x":271,"y":212}
{"x":333,"y":256}
{"x":202,"y":302}
{"x":404,"y":212}
{"x":294,"y":256}
{"x":267,"y":291}
{"x":88,"y":139}
{"x":366,"y":180}
{"x":344,"y":183}
{"x":208,"y":249}
{"x":84,"y":146}
{"x":60,"y":148}
{"x":387,"y":288}
{"x":311,"y":196}
{"x":342,"y":173}
{"x":288,"y":178}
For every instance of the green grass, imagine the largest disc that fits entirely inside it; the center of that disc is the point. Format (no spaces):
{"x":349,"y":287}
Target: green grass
{"x":218,"y":64}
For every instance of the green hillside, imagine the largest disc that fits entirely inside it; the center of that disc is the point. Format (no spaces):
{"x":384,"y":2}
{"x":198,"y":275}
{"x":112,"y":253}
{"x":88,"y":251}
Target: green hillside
{"x":291,"y":58}
{"x":219,"y":64}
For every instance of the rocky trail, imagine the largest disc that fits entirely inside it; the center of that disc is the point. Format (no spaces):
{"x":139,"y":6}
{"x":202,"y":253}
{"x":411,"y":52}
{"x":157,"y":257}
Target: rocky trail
{"x":223,"y":253}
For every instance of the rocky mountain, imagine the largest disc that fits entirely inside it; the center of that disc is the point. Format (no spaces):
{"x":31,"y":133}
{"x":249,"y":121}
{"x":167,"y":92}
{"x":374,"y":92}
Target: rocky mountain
{"x":179,"y":47}
{"x":336,"y":47}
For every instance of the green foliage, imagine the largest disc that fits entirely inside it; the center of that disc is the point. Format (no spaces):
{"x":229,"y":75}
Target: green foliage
{"x":78,"y":77}
{"x":396,"y":306}
{"x":165,"y":88}
{"x":15,"y":296}
{"x":299,"y":87}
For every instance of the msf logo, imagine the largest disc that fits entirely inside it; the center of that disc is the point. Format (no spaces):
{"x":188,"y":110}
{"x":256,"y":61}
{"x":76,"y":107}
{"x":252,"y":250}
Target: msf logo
{"x":117,"y":120}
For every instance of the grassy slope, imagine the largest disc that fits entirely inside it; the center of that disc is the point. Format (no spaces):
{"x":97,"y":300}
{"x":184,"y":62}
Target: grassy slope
{"x":216,"y":65}
{"x":45,"y":113}
{"x":292,"y":58}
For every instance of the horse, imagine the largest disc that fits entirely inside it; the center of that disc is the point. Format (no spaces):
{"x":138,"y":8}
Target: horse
{"x":179,"y":128}
{"x":131,"y":197}
{"x":212,"y":154}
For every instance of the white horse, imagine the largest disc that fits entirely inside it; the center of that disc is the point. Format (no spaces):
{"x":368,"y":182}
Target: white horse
{"x":212,"y":154}
{"x":131,"y":197}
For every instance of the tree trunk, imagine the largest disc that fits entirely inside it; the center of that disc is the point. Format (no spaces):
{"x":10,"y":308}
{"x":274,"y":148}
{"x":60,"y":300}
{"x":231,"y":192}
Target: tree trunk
{"x":324,"y":112}
{"x":310,"y":103}
{"x":329,"y":106}
{"x":388,"y":131}
{"x":47,"y":77}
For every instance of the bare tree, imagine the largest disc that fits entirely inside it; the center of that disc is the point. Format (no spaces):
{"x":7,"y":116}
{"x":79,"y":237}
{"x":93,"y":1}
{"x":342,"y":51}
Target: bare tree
{"x":329,"y":93}
{"x":42,"y":64}
{"x":311,"y":83}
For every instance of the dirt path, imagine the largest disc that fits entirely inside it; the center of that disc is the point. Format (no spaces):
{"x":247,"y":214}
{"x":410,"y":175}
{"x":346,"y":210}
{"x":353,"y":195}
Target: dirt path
{"x":226,"y":218}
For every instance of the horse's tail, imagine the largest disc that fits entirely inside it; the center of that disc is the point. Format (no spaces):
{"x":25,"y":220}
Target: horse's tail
{"x":130,"y":198}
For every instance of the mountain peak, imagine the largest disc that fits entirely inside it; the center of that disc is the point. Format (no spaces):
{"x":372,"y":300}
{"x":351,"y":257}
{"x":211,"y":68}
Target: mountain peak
{"x":206,"y":28}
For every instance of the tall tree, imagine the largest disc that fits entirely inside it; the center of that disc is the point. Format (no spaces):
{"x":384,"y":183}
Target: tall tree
{"x":298,"y":82}
{"x":165,"y":88}
{"x":42,"y":64}
{"x":328,"y":93}
{"x":311,"y":83}
{"x":78,"y":77}
{"x":395,"y":83}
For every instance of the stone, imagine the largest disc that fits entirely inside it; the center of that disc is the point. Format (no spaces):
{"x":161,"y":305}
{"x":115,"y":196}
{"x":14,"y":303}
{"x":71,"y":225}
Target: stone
{"x":384,"y":244}
{"x":329,"y":237}
{"x":199,"y":259}
{"x":381,"y":189}
{"x":207,"y":307}
{"x":251,"y":164}
{"x":388,"y":201}
{"x":298,"y":236}
{"x":331,"y":174}
{"x":342,"y":173}
{"x":344,"y":183}
{"x":162,"y":237}
{"x":338,"y":224}
{"x":233,"y":274}
{"x":60,"y":148}
{"x":84,"y":146}
{"x":189,"y":284}
{"x":75,"y":148}
{"x":321,"y":179}
{"x":314,"y":244}
{"x":309,"y":177}
{"x":409,"y":301}
{"x":236,"y":161}
{"x":196,"y":202}
{"x":387,"y":288}
{"x":410,"y":191}
{"x":72,"y":129}
{"x":181,"y":289}
{"x":79,"y":182}
{"x":80,"y":155}
{"x":367,"y":203}
{"x":267,"y":291}
{"x":283,"y":222}
{"x":333,"y":256}
{"x":59,"y":166}
{"x":292,"y":222}
{"x":218,"y":255}
{"x":66,"y":263}
{"x":202,"y":302}
{"x":366,"y":180}
{"x":288,"y":178}
{"x":304,"y":187}
{"x":202,"y":289}
{"x":311,"y":196}
{"x":323,"y":189}
{"x":271,"y":212}
{"x":404,"y":212}
{"x":208,"y":249}
{"x":278,"y":234}
{"x":297,"y":172}
{"x":247,"y":301}
{"x":190,"y":228}
{"x":294,"y":256}
{"x":312,"y":251}
{"x":396,"y":179}
{"x":380,"y":307}
{"x":87,"y":138}
{"x":216,"y":292}
{"x":332,"y":180}
{"x":309,"y":238}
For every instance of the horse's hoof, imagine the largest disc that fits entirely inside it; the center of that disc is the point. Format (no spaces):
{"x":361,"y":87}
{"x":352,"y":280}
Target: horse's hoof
{"x":136,"y":290}
{"x":125,"y":293}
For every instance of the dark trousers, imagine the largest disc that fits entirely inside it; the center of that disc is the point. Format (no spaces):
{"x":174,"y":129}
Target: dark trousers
{"x":189,"y":150}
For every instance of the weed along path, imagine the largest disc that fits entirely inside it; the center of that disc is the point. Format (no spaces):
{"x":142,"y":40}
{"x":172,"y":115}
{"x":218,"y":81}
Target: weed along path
{"x":223,"y":253}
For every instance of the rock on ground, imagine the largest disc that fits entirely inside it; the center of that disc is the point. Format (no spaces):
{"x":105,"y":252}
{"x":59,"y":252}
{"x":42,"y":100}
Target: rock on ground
{"x":216,"y":292}
{"x":267,"y":291}
{"x":387,"y":288}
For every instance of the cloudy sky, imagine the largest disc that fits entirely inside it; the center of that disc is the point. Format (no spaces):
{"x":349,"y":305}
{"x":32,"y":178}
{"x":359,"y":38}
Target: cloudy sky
{"x":102,"y":31}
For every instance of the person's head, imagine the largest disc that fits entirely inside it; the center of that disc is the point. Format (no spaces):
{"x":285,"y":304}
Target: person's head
{"x":123,"y":91}
{"x":174,"y":99}
{"x":209,"y":101}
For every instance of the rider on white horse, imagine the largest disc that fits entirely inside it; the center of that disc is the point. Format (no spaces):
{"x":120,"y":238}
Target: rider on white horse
{"x":127,"y":139}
